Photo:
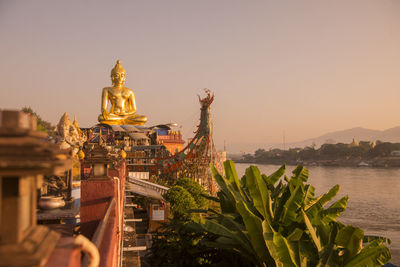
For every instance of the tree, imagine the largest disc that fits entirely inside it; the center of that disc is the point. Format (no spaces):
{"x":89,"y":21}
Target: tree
{"x":383,"y":149}
{"x":42,"y":125}
{"x":180,"y":202}
{"x":196,"y":190}
{"x":259,"y":153}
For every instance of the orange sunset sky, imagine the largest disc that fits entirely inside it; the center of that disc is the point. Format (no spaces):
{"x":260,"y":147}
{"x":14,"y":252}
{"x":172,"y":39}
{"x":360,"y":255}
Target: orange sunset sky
{"x":302,"y":67}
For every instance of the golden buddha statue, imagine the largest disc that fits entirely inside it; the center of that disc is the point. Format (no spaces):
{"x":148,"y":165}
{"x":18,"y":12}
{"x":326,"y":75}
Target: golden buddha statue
{"x":118,"y":104}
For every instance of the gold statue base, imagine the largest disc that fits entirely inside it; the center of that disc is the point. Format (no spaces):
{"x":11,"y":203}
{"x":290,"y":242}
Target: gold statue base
{"x":121,"y":123}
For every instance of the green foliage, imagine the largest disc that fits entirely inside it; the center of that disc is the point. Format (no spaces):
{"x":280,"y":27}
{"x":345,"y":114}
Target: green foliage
{"x":196,"y":190}
{"x":284,"y":224}
{"x":42,"y":125}
{"x":174,"y":244}
{"x":328,"y":154}
{"x":181,"y":201}
{"x":178,"y":243}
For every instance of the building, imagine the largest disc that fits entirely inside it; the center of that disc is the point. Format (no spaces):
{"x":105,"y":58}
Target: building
{"x":172,"y":140}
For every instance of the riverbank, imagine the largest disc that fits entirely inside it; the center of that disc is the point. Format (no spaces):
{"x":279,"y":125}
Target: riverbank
{"x":379,"y":162}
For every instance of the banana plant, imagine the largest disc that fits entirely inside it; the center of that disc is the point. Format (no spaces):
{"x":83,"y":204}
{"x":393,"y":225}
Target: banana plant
{"x":278,"y":221}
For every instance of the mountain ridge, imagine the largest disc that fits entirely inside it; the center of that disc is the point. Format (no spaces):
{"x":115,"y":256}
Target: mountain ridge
{"x":346,"y":136}
{"x":341,"y":136}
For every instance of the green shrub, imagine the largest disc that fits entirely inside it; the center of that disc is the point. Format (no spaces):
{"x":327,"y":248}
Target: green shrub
{"x":180,"y":202}
{"x":196,"y":190}
{"x":177,"y":243}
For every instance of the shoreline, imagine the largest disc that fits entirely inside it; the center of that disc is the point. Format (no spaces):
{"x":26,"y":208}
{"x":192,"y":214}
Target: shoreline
{"x":331,"y":163}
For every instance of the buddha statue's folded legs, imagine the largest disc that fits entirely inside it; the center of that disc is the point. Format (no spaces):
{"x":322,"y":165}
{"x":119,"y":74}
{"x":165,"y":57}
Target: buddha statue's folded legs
{"x":123,"y":119}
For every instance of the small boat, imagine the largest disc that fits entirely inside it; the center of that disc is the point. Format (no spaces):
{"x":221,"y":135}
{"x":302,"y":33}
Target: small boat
{"x":363,"y":164}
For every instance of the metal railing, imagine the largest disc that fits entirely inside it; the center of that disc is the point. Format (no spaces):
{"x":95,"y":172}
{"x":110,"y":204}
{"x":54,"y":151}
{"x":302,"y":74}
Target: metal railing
{"x":159,"y":188}
{"x":99,"y":233}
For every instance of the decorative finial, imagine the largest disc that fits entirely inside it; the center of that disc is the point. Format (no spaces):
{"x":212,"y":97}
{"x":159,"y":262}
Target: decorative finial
{"x":75,"y":122}
{"x":81,"y":154}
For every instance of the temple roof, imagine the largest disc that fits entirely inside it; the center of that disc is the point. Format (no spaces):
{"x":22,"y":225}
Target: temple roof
{"x":130,"y":128}
{"x":117,"y":128}
{"x":138,"y":136}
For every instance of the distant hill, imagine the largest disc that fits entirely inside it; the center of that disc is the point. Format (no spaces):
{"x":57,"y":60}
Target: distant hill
{"x":346,"y":136}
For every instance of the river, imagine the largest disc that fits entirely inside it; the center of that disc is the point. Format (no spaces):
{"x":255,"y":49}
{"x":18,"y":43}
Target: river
{"x":374,"y":197}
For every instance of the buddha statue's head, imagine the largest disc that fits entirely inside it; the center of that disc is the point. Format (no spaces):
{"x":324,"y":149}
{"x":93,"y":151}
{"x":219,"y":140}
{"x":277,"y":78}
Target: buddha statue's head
{"x":118,"y":75}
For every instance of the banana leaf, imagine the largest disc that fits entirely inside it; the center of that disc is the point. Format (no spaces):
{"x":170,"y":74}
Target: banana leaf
{"x":374,"y":254}
{"x":278,"y":211}
{"x":227,"y":244}
{"x":231,"y":174}
{"x":215,"y":199}
{"x":290,"y":209}
{"x":226,"y":205}
{"x":259,"y":192}
{"x":350,"y":238}
{"x":222,"y":183}
{"x":335,"y":210}
{"x":228,"y":189}
{"x":286,"y":179}
{"x":277,"y":190}
{"x":246,"y":193}
{"x":221,"y":230}
{"x":273,"y":178}
{"x":254,"y":228}
{"x":309,"y":194}
{"x":370,"y":238}
{"x":301,"y":258}
{"x":322,"y":200}
{"x":329,"y":257}
{"x":325,"y":230}
{"x":311,"y":203}
{"x":331,"y":214}
{"x":295,"y":235}
{"x":312,"y":232}
{"x":329,"y":195}
{"x":300,"y":173}
{"x":278,"y":246}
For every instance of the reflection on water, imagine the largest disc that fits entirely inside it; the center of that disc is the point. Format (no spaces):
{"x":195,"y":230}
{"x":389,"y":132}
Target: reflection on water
{"x":374,"y":197}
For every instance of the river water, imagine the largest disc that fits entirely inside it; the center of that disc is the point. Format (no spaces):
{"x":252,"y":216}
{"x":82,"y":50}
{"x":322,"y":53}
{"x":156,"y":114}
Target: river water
{"x":374,"y":197}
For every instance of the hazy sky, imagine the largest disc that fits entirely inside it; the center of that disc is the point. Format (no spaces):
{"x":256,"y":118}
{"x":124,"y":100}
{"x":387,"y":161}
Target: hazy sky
{"x":303,"y":67}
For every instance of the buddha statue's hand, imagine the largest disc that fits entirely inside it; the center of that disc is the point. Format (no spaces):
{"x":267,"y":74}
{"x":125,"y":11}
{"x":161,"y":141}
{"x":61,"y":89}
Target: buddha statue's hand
{"x":105,"y":115}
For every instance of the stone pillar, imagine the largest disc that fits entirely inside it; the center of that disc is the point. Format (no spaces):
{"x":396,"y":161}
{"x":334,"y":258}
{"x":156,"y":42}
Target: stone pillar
{"x":25,"y":157}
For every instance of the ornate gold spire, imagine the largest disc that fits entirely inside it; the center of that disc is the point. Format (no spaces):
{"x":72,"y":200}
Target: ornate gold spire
{"x":64,"y":119}
{"x":75,"y":123}
{"x":354,"y":143}
{"x":118,"y":68}
{"x":373,"y":144}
